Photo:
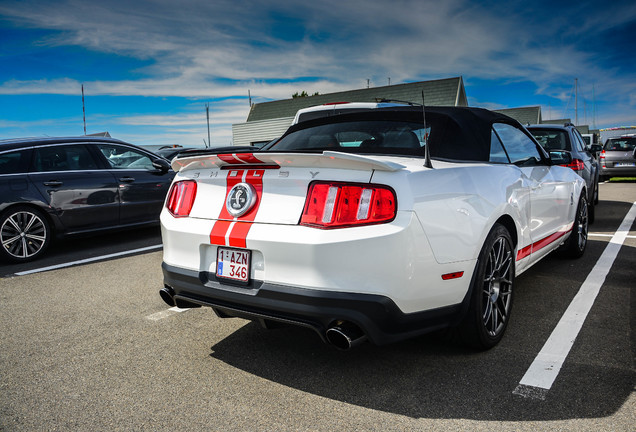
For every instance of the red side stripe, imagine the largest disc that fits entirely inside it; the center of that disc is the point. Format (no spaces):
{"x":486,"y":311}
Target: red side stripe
{"x":536,"y":246}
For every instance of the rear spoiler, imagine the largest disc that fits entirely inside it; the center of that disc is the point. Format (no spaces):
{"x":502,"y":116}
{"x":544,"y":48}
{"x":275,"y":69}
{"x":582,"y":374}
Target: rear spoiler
{"x":327,"y":159}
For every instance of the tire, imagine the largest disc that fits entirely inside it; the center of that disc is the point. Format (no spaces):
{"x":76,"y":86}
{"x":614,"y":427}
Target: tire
{"x":596,"y":193}
{"x":24,"y":233}
{"x":491,"y":292}
{"x":574,"y":246}
{"x":591,"y":207}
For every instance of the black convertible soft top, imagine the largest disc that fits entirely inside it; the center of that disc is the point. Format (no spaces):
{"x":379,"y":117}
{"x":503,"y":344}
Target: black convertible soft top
{"x":458,"y":133}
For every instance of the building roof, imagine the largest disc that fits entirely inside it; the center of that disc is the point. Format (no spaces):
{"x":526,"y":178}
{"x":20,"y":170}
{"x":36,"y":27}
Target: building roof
{"x":443,"y":92}
{"x":524,"y":115}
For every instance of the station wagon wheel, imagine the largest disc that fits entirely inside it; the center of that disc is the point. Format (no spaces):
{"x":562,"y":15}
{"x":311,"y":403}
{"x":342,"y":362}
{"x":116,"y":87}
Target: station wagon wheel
{"x":24,"y":234}
{"x":491,"y":292}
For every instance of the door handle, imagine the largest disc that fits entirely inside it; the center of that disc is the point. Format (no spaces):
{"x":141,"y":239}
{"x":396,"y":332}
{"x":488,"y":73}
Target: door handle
{"x":127,"y":179}
{"x":53,"y":183}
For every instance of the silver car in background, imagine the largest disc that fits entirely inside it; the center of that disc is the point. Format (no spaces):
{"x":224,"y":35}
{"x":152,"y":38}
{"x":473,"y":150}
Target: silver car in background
{"x":618,"y":158}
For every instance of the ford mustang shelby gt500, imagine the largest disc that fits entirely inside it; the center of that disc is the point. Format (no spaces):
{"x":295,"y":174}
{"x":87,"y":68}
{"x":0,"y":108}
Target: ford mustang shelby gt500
{"x":381,"y":224}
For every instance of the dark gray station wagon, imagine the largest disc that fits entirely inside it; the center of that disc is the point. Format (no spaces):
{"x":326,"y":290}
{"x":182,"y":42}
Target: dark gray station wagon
{"x":55,"y":187}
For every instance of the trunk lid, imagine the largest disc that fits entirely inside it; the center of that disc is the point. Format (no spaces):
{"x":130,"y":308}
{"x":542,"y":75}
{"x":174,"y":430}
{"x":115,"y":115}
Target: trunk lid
{"x":278,"y":181}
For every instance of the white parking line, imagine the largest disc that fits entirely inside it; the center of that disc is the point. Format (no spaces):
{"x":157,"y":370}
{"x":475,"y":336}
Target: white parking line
{"x":608,"y":235}
{"x":88,"y":260}
{"x":165,"y":313}
{"x":546,"y":366}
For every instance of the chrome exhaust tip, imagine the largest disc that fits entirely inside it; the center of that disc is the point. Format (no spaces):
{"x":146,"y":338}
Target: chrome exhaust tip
{"x":345,"y":336}
{"x":167,"y":294}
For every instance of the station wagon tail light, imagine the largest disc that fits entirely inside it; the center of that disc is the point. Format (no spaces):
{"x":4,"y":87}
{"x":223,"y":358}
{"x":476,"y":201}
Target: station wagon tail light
{"x":576,"y":165}
{"x":181,"y":198}
{"x":337,"y":205}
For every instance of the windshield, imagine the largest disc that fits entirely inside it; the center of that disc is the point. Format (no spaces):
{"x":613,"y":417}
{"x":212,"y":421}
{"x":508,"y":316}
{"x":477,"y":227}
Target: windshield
{"x":621,"y":144}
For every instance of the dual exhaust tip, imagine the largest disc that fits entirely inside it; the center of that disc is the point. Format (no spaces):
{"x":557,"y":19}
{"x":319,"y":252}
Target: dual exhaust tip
{"x":344,"y":335}
{"x":167,"y":294}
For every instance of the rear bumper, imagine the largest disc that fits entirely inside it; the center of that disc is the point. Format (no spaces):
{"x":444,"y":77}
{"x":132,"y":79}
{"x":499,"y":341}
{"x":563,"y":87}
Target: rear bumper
{"x":619,"y":171}
{"x":377,"y":316}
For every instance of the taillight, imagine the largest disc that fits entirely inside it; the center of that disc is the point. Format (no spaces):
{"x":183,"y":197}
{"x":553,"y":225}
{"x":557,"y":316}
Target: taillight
{"x":336,"y":205}
{"x":576,"y":165}
{"x":602,"y":158}
{"x":181,"y":198}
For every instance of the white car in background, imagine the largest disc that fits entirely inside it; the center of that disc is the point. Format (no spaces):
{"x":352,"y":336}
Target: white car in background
{"x":380,"y":224}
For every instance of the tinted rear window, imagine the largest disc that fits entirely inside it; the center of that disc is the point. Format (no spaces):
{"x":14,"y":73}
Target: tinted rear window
{"x":620,"y":144}
{"x":552,"y":139}
{"x":386,"y":137}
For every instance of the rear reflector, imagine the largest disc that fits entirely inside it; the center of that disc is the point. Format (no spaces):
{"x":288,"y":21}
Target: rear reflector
{"x":337,"y":205}
{"x":181,"y":198}
{"x":454,"y":275}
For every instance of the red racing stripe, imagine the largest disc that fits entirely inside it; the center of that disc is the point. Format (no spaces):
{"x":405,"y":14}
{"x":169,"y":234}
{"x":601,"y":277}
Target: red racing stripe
{"x":239,"y":232}
{"x":219,"y":230}
{"x":229,"y":158}
{"x":248,"y":158}
{"x":240,"y":158}
{"x":230,"y":231}
{"x":536,"y":246}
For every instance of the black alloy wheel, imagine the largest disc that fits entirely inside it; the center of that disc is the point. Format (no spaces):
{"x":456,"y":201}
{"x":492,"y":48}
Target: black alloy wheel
{"x":491,"y":298}
{"x":24,"y":234}
{"x":574,"y":246}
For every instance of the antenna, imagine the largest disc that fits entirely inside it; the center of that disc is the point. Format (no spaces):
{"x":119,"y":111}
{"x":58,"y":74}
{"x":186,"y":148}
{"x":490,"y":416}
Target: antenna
{"x":427,"y":151}
{"x":207,"y":114}
{"x":83,"y":110}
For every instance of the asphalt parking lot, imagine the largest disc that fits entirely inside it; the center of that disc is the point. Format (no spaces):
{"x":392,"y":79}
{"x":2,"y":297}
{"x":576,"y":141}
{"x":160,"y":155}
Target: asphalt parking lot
{"x":93,"y":347}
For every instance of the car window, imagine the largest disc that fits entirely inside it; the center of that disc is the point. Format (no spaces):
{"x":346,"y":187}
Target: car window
{"x":579,"y":144}
{"x":520,"y":148}
{"x":121,"y":157}
{"x":15,"y":161}
{"x":363,"y":135}
{"x":73,"y":157}
{"x":551,"y":139}
{"x":497,"y":152}
{"x":620,"y":144}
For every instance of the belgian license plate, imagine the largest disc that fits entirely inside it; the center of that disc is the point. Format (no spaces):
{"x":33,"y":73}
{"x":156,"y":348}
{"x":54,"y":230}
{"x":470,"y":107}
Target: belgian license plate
{"x":233,"y":264}
{"x":625,"y":164}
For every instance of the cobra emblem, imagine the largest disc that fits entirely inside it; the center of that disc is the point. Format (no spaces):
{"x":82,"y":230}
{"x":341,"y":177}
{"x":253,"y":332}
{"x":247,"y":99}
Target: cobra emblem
{"x":240,"y":199}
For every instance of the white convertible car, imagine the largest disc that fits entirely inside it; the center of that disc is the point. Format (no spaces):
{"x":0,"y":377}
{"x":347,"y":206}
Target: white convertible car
{"x":381,"y":224}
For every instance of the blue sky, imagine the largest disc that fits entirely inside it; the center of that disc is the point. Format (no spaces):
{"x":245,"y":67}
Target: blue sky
{"x":150,"y":67}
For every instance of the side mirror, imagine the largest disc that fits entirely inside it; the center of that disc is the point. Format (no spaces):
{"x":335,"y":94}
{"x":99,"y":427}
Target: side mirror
{"x":161,"y":164}
{"x":560,"y":157}
{"x":595,"y":148}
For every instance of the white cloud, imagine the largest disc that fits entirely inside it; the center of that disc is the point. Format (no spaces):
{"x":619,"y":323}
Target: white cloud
{"x":201,"y":49}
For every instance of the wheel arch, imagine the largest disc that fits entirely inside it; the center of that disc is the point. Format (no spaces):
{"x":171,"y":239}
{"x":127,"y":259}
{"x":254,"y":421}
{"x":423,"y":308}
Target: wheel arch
{"x":508,"y":222}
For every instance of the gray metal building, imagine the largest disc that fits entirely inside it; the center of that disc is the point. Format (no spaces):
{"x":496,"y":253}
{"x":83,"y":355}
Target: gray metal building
{"x":269,"y":120}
